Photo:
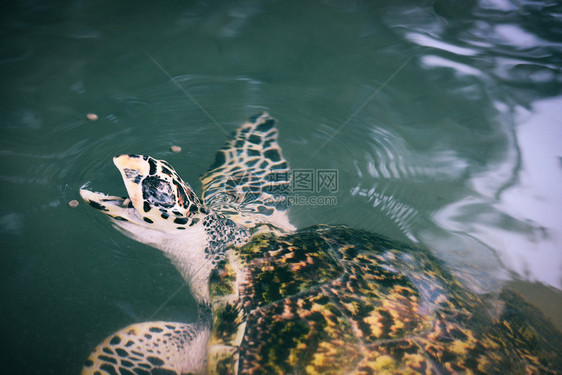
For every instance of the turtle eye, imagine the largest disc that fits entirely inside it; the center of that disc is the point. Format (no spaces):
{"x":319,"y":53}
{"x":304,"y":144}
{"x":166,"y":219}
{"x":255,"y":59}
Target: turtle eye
{"x":158,"y":192}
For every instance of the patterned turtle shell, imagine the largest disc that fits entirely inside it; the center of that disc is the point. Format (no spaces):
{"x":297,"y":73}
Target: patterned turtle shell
{"x":334,"y":300}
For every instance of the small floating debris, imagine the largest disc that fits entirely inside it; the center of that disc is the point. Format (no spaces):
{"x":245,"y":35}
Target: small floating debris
{"x":176,"y":149}
{"x":92,"y":116}
{"x":73,"y":203}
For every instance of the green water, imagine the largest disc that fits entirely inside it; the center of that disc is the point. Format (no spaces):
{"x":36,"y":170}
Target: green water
{"x":442,"y":120}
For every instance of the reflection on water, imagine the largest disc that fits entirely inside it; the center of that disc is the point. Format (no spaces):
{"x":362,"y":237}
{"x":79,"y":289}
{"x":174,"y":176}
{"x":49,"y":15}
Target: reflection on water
{"x":441,"y":117}
{"x":513,"y":208}
{"x":523,"y":223}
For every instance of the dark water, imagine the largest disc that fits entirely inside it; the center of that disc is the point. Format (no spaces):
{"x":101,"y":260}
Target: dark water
{"x":441,"y":118}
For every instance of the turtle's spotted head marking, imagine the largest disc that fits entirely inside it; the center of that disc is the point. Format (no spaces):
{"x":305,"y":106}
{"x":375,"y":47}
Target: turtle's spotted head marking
{"x":158,"y":198}
{"x":158,"y":193}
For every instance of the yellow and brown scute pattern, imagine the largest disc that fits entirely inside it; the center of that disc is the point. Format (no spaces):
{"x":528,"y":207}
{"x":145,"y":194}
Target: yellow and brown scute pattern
{"x":333,"y":300}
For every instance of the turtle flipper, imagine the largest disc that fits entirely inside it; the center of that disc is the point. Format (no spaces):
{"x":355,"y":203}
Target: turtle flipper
{"x":151,"y":348}
{"x":249,"y":180}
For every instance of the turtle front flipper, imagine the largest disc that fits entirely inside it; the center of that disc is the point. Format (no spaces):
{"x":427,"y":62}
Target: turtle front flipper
{"x":249,"y":180}
{"x":151,"y":348}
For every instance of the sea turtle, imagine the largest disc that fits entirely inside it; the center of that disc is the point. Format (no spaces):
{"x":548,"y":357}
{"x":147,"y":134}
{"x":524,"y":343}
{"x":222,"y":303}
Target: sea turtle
{"x":321,"y":300}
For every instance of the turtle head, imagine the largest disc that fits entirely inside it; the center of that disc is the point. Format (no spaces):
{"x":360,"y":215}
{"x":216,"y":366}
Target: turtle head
{"x":158,"y":200}
{"x":162,"y":211}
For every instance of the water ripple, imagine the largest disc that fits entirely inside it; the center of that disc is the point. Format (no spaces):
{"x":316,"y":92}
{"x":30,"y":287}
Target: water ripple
{"x":388,"y":174}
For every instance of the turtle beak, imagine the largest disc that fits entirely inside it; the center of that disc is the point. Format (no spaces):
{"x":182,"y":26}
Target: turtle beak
{"x":113,"y":206}
{"x":133,"y":168}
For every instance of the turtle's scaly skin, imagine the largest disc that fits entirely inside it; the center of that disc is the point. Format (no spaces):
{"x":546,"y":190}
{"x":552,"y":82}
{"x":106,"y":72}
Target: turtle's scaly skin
{"x":335,"y":300}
